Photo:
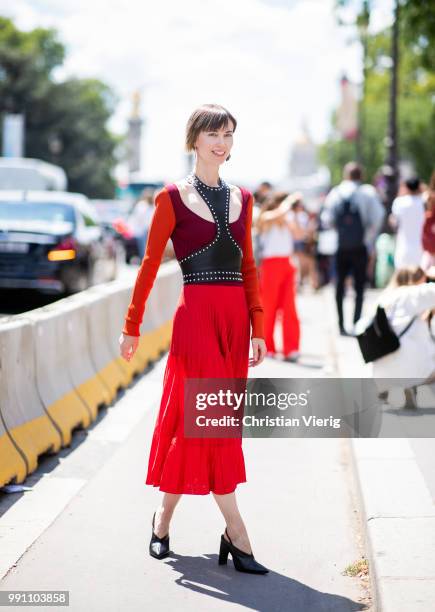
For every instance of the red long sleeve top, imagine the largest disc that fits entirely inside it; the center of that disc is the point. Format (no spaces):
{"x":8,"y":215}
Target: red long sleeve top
{"x":163,"y":224}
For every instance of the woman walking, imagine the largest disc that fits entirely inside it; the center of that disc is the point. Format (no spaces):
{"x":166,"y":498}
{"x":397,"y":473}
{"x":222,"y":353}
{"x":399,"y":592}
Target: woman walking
{"x":209,"y":222}
{"x":278,"y":230}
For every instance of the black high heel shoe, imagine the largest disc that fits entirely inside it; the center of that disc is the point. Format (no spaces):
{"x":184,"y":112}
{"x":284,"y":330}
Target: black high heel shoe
{"x":159,"y":547}
{"x":243,"y":562}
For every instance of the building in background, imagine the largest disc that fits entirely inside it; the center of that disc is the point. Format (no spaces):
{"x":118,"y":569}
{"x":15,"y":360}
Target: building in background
{"x":305,"y":173}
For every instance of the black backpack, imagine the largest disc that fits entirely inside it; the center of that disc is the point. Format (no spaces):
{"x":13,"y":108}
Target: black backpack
{"x":349,"y":225}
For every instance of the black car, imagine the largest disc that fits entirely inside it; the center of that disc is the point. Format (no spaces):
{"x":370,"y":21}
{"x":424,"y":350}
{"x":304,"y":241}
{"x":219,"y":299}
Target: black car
{"x":53,"y":242}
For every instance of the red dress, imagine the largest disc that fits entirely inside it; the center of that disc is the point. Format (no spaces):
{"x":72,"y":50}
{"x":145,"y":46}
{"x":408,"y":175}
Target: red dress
{"x":210,"y":339}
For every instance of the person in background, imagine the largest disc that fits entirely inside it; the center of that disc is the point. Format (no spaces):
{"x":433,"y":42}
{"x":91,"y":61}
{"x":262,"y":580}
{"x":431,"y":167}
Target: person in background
{"x":428,"y":237}
{"x":407,"y":218}
{"x":326,"y":247}
{"x":408,"y":295}
{"x":354,"y":209}
{"x":140,"y":220}
{"x":261,"y":194}
{"x":304,"y":248}
{"x":277,"y":230}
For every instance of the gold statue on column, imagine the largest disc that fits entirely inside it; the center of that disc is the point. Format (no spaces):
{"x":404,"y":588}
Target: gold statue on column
{"x":135,"y":113}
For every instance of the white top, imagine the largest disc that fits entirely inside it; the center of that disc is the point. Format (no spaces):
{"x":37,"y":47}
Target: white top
{"x":276,"y":241}
{"x":140,"y":218}
{"x":415,"y":359}
{"x":409,"y":212}
{"x":255,"y":213}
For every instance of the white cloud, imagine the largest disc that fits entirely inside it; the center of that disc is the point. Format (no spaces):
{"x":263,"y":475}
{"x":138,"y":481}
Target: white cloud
{"x":271,"y":65}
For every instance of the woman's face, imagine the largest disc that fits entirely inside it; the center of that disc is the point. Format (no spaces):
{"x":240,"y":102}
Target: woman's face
{"x":213,"y":147}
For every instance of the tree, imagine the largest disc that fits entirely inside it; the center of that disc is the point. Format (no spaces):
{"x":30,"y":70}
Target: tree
{"x":66,"y":122}
{"x":419,"y":28}
{"x":416,"y":108}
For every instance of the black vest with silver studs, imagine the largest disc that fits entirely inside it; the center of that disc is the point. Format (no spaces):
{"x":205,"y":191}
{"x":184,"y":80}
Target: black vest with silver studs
{"x":221,"y":259}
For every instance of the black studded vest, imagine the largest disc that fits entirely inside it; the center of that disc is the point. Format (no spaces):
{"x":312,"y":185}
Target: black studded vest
{"x":220,"y":259}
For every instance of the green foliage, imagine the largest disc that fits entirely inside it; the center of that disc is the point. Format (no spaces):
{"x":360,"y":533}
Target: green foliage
{"x":419,"y":28}
{"x":416,"y":100}
{"x":66,"y":122}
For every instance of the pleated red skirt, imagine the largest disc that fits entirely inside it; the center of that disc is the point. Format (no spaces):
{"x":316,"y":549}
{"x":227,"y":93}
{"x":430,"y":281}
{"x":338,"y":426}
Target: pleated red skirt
{"x":210,"y":339}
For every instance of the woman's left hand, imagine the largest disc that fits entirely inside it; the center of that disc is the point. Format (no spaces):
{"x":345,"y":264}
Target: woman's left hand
{"x":259,"y":351}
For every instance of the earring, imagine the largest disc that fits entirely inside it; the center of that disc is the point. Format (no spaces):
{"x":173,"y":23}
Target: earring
{"x":228,"y":157}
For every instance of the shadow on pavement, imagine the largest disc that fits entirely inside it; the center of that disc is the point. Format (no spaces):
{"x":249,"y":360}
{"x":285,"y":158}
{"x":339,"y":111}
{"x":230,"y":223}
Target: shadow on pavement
{"x":265,"y":593}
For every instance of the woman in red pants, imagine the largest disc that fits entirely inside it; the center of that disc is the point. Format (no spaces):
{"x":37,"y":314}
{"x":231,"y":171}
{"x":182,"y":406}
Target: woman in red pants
{"x":278,"y":229}
{"x":209,"y":222}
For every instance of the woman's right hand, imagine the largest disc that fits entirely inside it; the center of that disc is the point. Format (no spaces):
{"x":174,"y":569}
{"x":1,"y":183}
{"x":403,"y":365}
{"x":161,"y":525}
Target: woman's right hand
{"x":128,"y":346}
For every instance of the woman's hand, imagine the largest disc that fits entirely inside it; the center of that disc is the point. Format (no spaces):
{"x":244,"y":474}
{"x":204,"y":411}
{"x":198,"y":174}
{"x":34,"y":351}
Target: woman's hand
{"x":128,"y":346}
{"x":259,"y":351}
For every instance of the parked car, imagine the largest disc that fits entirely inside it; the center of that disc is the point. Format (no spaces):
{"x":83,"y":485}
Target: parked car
{"x":113,"y":215}
{"x":53,"y":241}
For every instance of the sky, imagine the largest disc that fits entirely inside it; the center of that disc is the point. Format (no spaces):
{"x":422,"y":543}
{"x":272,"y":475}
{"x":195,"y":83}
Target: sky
{"x":273,"y":63}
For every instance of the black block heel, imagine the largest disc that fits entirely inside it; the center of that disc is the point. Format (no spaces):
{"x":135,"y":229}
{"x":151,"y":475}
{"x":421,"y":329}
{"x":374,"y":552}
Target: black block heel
{"x":159,"y":547}
{"x":223,"y":552}
{"x":243,"y":562}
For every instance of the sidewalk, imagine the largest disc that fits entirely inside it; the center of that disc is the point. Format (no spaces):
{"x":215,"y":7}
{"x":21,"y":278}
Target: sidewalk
{"x":300,"y":504}
{"x":395,"y":477}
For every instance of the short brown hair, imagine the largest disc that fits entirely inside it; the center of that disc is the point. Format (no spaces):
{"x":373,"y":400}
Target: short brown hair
{"x":208,"y":117}
{"x":353,"y":171}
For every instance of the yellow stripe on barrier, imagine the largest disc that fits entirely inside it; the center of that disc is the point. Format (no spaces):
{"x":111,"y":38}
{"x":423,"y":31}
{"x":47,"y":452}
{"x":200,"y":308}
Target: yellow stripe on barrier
{"x":69,"y":413}
{"x":36,"y":437}
{"x":94,"y":393}
{"x":112,"y":378}
{"x":12,"y":465}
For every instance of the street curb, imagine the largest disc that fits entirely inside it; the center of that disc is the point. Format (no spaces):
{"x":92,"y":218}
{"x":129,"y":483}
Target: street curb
{"x":399,"y":519}
{"x":368,"y":545}
{"x":396,"y":507}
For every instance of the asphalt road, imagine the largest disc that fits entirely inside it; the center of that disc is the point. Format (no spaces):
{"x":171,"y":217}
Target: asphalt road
{"x":85,"y":524}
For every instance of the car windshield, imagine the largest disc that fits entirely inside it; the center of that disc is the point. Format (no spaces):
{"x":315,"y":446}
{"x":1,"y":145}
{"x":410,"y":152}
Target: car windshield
{"x":24,"y":214}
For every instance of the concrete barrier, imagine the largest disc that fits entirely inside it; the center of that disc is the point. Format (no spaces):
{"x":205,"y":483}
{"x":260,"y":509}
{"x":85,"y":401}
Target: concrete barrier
{"x":13,"y":465}
{"x":98,"y":329}
{"x":108,"y":293}
{"x":86,"y":381}
{"x":60,"y":363}
{"x":54,"y":382}
{"x":28,"y":424}
{"x":115,"y":313}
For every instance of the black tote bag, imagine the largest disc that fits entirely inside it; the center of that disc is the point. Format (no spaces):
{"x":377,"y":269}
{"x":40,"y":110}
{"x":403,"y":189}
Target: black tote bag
{"x":379,"y":338}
